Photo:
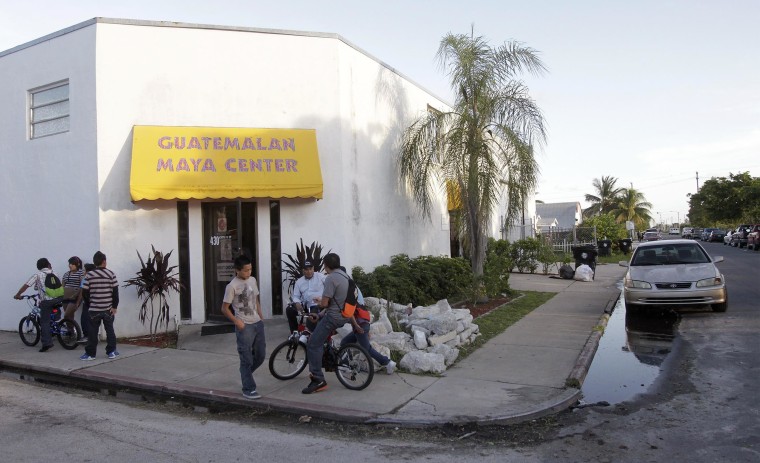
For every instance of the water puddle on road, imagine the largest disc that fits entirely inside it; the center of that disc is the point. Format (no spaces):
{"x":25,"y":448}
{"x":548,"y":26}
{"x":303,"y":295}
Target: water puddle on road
{"x":629,"y":356}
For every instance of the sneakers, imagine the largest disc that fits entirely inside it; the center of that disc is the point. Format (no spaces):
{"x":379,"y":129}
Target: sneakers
{"x":303,"y":339}
{"x":390,"y":367}
{"x":251,"y":395}
{"x":113,"y":355}
{"x":86,"y":357}
{"x":315,"y":386}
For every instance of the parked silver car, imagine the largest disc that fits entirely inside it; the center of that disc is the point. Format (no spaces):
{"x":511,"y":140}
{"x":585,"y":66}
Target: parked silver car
{"x":673,"y":273}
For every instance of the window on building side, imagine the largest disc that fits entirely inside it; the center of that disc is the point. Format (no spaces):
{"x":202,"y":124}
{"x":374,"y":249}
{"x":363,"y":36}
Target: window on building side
{"x":49,"y":110}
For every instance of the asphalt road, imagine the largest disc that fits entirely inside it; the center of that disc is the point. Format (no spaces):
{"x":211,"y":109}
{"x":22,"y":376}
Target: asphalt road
{"x":702,"y":408}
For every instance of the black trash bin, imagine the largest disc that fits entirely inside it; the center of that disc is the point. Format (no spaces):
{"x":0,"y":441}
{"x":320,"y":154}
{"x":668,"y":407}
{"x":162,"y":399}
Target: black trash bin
{"x":625,"y":245}
{"x":605,"y":247}
{"x":585,"y":254}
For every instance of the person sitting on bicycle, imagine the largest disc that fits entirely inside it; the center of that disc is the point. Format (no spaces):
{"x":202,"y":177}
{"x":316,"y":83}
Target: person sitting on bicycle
{"x":360,"y":335}
{"x":46,"y":304}
{"x":330,"y":318}
{"x":307,"y":292}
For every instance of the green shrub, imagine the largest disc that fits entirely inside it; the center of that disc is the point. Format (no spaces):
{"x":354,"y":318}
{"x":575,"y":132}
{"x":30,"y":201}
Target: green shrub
{"x":524,"y":254}
{"x":496,"y":268}
{"x":421,"y":281}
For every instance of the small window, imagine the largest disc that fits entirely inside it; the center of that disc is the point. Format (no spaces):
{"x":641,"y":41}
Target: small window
{"x":49,"y":110}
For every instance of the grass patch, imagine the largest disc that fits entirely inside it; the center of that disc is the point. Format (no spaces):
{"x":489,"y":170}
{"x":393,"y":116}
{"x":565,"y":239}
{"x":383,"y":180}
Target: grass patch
{"x":498,"y":320}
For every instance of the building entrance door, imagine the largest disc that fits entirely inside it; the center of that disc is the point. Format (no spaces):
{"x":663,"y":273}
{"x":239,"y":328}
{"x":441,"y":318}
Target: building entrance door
{"x":229,"y":230}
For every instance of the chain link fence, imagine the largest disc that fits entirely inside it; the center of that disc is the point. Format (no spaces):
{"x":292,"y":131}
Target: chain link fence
{"x":562,"y":239}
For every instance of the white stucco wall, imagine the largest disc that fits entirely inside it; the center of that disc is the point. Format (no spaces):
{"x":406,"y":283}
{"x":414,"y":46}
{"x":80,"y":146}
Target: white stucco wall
{"x":49,"y":185}
{"x":205,"y":77}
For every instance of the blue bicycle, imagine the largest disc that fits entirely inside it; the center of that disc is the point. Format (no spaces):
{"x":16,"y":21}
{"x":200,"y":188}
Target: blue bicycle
{"x":67,"y":331}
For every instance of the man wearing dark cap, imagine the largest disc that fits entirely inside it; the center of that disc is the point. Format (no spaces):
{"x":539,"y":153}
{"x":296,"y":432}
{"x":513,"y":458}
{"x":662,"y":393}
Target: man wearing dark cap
{"x":307,"y":293}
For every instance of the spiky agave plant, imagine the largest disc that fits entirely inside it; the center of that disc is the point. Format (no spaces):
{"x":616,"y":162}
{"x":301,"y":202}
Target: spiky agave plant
{"x":154,"y":282}
{"x":293,"y":270}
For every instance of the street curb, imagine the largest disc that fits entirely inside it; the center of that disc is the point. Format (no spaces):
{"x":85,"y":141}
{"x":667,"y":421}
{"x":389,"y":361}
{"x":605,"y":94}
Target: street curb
{"x":583,"y":363}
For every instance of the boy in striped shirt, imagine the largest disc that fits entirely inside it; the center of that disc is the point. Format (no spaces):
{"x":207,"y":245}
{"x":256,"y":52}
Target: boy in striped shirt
{"x":101,"y":290}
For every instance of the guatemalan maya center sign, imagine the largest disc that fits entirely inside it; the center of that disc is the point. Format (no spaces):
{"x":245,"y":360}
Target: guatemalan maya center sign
{"x":214,"y":163}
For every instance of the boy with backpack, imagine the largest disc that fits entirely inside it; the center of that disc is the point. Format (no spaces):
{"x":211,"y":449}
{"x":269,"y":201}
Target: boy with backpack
{"x":49,"y":293}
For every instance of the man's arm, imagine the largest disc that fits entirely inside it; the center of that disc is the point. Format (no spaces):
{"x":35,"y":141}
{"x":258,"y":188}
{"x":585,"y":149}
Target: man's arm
{"x":227,"y":313}
{"x":258,"y":307}
{"x":21,"y":291}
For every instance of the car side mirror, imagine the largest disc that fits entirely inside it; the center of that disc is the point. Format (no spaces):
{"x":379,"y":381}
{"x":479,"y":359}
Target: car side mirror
{"x":624,"y":263}
{"x":717,"y":259}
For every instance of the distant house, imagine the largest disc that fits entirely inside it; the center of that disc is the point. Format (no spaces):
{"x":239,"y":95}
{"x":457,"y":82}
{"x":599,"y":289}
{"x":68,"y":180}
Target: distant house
{"x":567,"y":215}
{"x":547,"y":224}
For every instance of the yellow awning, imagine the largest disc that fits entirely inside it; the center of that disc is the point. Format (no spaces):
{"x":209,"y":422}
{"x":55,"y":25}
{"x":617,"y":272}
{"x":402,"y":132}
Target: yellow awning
{"x":217,"y":162}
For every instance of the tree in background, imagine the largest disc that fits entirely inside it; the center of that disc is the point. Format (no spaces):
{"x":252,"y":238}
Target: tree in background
{"x":631,"y":204}
{"x":484,"y":144}
{"x":726,"y":200}
{"x":604,"y":198}
{"x":606,"y":227}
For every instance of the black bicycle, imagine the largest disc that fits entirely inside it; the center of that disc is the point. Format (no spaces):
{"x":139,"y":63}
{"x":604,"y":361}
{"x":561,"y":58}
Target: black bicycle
{"x":351,"y":363}
{"x":67,"y":331}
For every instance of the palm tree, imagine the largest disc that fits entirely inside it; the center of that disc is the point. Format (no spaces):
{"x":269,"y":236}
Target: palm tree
{"x":603,"y":201}
{"x":632,"y":205}
{"x":484,"y":144}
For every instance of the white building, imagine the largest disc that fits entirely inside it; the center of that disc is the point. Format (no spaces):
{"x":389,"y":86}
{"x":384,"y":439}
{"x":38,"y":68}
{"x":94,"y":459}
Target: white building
{"x":87,"y":110}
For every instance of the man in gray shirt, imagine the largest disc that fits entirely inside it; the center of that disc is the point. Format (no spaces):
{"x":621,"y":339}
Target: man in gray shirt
{"x":330,"y":318}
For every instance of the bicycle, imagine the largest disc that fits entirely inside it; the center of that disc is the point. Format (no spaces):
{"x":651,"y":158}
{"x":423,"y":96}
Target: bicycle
{"x":67,"y":331}
{"x":351,"y":363}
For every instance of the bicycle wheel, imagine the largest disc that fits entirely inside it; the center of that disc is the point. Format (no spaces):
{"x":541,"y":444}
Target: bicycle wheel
{"x":68,"y":333}
{"x":288,"y":360}
{"x":29,"y":330}
{"x":355,"y":369}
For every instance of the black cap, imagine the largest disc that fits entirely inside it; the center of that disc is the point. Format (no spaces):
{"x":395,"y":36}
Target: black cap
{"x":307,"y":264}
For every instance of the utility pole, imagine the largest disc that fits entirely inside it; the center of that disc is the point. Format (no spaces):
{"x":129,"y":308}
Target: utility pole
{"x":697,"y":181}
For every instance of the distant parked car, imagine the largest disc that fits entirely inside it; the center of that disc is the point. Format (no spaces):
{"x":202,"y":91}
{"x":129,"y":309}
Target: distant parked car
{"x":706,"y":233}
{"x":696,"y":233}
{"x":687,"y":232}
{"x":739,"y":237}
{"x":716,"y":235}
{"x":651,"y":236}
{"x":753,"y":238}
{"x":674,"y":231}
{"x":673,"y":273}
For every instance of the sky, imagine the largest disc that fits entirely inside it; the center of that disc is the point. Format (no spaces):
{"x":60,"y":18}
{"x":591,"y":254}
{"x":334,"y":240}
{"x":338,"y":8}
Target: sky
{"x":661,"y":95}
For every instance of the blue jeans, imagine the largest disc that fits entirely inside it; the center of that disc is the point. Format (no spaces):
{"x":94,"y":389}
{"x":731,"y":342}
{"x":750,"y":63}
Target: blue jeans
{"x":252,"y":349}
{"x":46,"y":309}
{"x":315,"y":346}
{"x":96,"y":317}
{"x":84,"y":319}
{"x":363,"y":340}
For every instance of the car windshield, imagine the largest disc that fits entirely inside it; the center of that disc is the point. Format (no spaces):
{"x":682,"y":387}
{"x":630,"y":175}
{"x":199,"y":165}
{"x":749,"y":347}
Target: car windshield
{"x":670,"y":254}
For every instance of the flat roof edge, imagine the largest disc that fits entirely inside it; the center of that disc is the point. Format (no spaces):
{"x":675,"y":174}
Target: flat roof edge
{"x":148,"y":23}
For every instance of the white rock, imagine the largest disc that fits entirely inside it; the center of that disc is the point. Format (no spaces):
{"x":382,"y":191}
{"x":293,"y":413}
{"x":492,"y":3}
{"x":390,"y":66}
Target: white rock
{"x":420,"y":341}
{"x":443,"y":306}
{"x":461,"y":313}
{"x":465,"y":334}
{"x":378,"y":328}
{"x":440,"y":339}
{"x":385,"y":321}
{"x":423,"y":362}
{"x":420,"y":328}
{"x":453,"y":343}
{"x":442,"y":323}
{"x":396,"y":341}
{"x":460,"y":327}
{"x":449,"y":354}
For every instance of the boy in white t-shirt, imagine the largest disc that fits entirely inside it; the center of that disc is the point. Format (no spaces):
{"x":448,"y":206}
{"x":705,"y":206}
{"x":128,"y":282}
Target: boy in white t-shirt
{"x":242,"y":293}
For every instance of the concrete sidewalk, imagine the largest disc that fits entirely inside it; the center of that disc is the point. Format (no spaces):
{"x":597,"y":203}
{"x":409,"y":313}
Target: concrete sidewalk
{"x":520,"y":374}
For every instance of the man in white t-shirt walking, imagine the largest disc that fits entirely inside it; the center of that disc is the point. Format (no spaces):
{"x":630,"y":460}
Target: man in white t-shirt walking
{"x":242,"y":294}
